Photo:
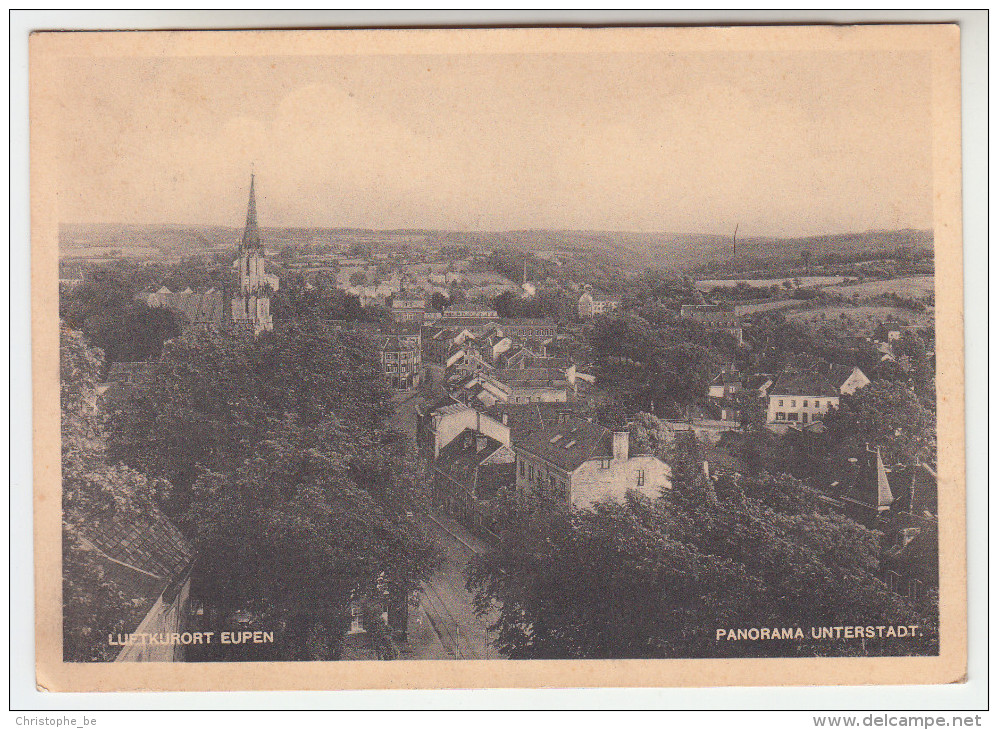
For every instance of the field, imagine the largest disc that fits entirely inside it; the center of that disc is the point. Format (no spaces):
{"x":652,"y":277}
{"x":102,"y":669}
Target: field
{"x":862,"y":320}
{"x":911,"y":286}
{"x":768,"y":306}
{"x":804,"y":280}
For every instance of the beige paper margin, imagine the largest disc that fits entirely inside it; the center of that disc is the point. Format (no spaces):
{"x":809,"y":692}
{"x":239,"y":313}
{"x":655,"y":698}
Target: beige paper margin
{"x":943,"y":41}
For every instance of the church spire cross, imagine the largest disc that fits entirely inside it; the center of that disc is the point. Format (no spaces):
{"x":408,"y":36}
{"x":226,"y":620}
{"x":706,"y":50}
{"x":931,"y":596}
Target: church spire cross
{"x":251,"y":234}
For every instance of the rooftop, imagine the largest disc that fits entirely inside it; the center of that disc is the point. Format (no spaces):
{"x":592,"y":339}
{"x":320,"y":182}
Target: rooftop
{"x":804,"y":384}
{"x":567,"y":443}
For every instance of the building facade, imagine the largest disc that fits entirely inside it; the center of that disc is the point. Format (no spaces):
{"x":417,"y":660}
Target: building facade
{"x":406,"y":309}
{"x":592,"y":305}
{"x":401,"y":357}
{"x":800,"y":399}
{"x":529,"y":329}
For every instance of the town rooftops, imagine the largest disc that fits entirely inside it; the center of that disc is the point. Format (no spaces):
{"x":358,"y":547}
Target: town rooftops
{"x":477,"y":462}
{"x":525,"y":321}
{"x":464,"y":310}
{"x":531,"y":376}
{"x":526,"y":416}
{"x":436,"y":404}
{"x":567,"y":443}
{"x":449,"y":320}
{"x":392,"y":343}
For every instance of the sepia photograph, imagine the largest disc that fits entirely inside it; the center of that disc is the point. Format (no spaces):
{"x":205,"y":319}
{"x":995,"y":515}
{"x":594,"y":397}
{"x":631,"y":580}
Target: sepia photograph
{"x":410,"y":357}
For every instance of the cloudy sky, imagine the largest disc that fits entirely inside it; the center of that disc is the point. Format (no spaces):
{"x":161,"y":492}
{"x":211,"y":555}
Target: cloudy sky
{"x":783,"y":144}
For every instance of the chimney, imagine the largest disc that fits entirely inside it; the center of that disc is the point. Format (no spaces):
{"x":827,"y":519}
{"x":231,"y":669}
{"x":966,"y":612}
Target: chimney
{"x":621,"y":445}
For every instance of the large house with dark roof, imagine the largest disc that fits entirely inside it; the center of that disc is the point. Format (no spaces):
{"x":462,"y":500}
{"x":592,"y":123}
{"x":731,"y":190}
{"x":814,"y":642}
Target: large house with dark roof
{"x":580,"y":462}
{"x":900,"y":502}
{"x":439,"y":422}
{"x":801,"y":399}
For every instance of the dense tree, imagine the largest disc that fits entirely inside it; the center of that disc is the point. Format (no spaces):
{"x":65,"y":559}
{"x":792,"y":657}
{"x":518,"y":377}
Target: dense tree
{"x":94,"y":491}
{"x":286,"y":477}
{"x":125,"y":329}
{"x":439,"y":301}
{"x":323,"y":301}
{"x":659,"y":578}
{"x":884,"y":414}
{"x":649,"y":435}
{"x":645,"y":364}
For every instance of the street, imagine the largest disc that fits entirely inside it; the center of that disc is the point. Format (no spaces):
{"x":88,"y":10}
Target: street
{"x":445,"y":625}
{"x":445,"y":603}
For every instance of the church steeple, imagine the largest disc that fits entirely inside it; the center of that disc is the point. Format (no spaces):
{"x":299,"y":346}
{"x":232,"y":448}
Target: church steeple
{"x":251,"y":234}
{"x":251,"y":306}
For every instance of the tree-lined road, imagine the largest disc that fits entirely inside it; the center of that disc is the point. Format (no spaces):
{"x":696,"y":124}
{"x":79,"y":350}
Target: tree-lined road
{"x":454,"y":630}
{"x":446,"y":602}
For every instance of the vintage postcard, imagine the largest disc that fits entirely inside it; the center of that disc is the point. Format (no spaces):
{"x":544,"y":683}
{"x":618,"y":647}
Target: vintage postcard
{"x":498,"y":358}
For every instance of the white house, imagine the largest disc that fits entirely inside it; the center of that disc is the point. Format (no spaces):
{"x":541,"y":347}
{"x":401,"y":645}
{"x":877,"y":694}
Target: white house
{"x":581,"y":462}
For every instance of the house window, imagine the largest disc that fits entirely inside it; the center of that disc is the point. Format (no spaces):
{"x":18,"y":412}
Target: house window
{"x":604,"y":464}
{"x":522,"y":468}
{"x":793,"y":404}
{"x":803,"y":418}
{"x":805,"y":404}
{"x":356,"y":618}
{"x":531,"y":472}
{"x":781,"y":404}
{"x":791,"y":416}
{"x":781,"y":416}
{"x":641,"y":477}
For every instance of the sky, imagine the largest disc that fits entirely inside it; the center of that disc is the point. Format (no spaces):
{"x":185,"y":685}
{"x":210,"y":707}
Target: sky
{"x":781,"y":144}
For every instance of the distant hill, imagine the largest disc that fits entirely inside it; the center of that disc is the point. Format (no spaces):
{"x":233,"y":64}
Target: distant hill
{"x":628,"y":250}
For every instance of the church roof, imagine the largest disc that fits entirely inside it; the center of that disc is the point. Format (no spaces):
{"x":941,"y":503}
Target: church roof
{"x":251,"y":234}
{"x":199,"y":307}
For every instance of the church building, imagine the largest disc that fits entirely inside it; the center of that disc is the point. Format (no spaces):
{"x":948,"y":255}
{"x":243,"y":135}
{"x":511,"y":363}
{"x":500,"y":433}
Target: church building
{"x":249,"y":295}
{"x":251,"y":304}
